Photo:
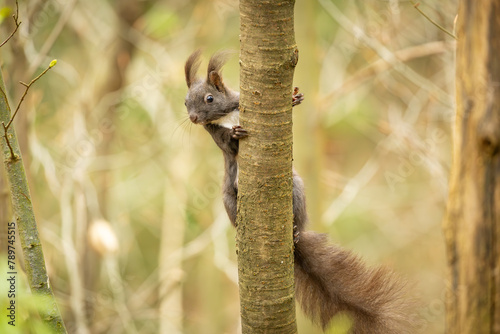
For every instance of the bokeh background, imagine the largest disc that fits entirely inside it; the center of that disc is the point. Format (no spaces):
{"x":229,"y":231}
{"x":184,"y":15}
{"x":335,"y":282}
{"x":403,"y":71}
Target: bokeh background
{"x":127,"y":191}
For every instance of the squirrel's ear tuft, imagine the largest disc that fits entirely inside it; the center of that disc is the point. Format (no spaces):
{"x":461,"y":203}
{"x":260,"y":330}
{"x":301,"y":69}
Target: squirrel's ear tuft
{"x":215,"y":80}
{"x":214,"y":69}
{"x":191,"y":67}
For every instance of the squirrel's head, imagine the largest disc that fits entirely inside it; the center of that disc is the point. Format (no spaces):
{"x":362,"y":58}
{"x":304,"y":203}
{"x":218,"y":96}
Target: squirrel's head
{"x":208,"y":100}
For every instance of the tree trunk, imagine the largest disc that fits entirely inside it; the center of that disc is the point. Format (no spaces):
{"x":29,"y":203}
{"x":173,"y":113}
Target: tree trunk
{"x":5,"y":213}
{"x":472,"y":224}
{"x":22,"y":208}
{"x":265,"y":213}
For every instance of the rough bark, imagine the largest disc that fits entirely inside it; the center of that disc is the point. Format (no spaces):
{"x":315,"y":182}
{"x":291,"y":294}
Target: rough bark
{"x":22,"y":207}
{"x":264,"y":235}
{"x":472,"y":223}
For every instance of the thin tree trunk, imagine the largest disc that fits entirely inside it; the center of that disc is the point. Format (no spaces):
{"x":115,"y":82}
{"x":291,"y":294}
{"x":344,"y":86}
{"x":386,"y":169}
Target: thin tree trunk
{"x":472,"y":223}
{"x":265,"y":213}
{"x":25,"y":221}
{"x":4,"y":211}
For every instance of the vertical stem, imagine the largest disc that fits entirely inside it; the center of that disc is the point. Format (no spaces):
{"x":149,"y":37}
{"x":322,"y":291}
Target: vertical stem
{"x":4,"y":209}
{"x":25,"y":221}
{"x":472,"y":223}
{"x":265,"y":213}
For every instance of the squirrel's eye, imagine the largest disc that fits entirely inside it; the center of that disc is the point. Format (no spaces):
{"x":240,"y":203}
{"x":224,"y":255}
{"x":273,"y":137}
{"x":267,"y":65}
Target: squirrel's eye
{"x":209,"y":98}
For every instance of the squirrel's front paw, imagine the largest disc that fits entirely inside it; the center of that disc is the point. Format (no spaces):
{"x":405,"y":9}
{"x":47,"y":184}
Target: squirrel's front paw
{"x":237,"y":132}
{"x":296,"y":97}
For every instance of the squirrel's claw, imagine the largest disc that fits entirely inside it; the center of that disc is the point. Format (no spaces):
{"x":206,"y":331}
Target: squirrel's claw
{"x":296,"y":97}
{"x":237,"y":132}
{"x":296,"y":234}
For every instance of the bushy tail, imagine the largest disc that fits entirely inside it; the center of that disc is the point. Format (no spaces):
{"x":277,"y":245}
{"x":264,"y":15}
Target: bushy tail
{"x":330,"y":280}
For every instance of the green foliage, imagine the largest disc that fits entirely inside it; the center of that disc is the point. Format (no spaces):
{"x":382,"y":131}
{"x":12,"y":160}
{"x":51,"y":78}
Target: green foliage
{"x":27,"y":307}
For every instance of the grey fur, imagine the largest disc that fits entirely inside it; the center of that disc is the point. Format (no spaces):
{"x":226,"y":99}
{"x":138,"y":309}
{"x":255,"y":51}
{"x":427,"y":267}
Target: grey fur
{"x":328,"y":279}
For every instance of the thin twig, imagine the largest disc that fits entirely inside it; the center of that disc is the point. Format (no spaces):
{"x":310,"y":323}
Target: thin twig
{"x":52,"y":63}
{"x":6,"y":100}
{"x":432,"y":21}
{"x":6,"y":127}
{"x":17,"y":23}
{"x":5,"y":97}
{"x":5,"y":135}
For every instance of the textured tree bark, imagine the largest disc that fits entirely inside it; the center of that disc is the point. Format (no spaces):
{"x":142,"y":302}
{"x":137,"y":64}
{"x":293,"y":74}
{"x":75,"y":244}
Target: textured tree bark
{"x":472,"y":223}
{"x":265,"y":213}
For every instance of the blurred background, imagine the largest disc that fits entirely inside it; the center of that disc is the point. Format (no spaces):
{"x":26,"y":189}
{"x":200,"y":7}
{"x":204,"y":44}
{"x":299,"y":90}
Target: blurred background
{"x":127,"y":191}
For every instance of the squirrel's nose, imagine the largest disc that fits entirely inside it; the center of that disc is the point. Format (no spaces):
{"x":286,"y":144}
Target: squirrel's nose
{"x":193,"y":118}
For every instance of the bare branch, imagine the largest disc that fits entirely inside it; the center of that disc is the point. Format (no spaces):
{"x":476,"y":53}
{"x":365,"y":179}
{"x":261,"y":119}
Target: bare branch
{"x":12,"y":155}
{"x":52,"y":64}
{"x":431,"y":20}
{"x":17,"y":23}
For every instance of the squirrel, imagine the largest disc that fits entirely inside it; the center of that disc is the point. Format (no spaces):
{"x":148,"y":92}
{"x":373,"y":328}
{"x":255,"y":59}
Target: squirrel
{"x":328,"y":279}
